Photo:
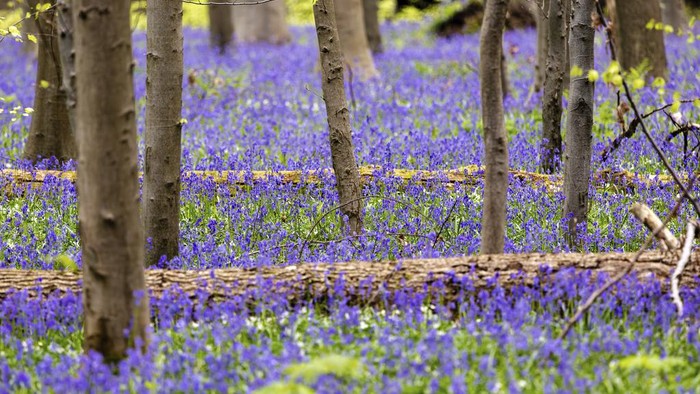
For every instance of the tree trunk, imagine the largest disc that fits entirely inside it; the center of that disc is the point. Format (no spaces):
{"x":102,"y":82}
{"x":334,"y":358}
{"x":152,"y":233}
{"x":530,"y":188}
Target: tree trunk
{"x":353,"y":39}
{"x":374,"y":36}
{"x":553,"y":87}
{"x":220,"y":26}
{"x":111,"y":234}
{"x":262,"y":23}
{"x":50,"y":133}
{"x":634,"y":42}
{"x":577,"y":161}
{"x":342,"y":151}
{"x":161,"y":178}
{"x":673,"y":14}
{"x":542,"y":33}
{"x":365,"y":282}
{"x":66,"y":49}
{"x":493,"y":220}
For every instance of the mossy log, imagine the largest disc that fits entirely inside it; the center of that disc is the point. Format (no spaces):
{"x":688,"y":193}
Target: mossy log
{"x":468,"y":175}
{"x":365,"y":282}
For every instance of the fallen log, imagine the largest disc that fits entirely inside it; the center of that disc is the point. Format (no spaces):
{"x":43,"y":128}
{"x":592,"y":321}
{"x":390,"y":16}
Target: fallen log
{"x":366,"y":281}
{"x":468,"y":175}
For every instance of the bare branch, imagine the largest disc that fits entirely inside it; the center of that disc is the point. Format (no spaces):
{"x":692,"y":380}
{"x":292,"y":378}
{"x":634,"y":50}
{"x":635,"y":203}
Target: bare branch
{"x":682,"y":262}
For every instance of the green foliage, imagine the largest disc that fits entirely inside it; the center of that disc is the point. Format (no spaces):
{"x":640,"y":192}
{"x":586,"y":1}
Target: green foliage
{"x":651,"y":363}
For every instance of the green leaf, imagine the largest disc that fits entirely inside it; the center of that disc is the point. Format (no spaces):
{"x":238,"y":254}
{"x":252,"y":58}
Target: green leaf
{"x":576,"y":71}
{"x":31,"y":37}
{"x":44,"y":84}
{"x":64,"y":263}
{"x":651,"y":363}
{"x":14,"y":31}
{"x":336,"y":364}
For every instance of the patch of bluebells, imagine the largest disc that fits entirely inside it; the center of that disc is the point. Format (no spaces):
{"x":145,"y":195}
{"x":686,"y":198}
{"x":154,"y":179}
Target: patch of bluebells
{"x":276,"y":223}
{"x":485,"y":340}
{"x":261,"y":107}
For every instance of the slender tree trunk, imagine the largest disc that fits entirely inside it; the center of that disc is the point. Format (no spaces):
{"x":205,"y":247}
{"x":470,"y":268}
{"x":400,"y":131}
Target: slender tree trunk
{"x":114,"y":296}
{"x":342,"y":151}
{"x":542,"y":33}
{"x":353,"y":39}
{"x":577,"y":161}
{"x":262,"y":23}
{"x":493,"y":220}
{"x":161,"y":178}
{"x":50,"y":133}
{"x":673,"y":13}
{"x":64,"y":20}
{"x":220,"y":26}
{"x":28,"y":26}
{"x":374,"y":36}
{"x":553,"y":88}
{"x":633,"y":40}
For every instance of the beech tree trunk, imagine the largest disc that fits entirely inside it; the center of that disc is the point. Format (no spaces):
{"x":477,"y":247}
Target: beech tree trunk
{"x":50,"y":133}
{"x":220,"y":26}
{"x":350,"y":20}
{"x":161,"y":178}
{"x":493,"y":220}
{"x":64,"y":18}
{"x":374,"y":36}
{"x":332,"y":82}
{"x":262,"y":23}
{"x":553,"y":87}
{"x":366,"y":281}
{"x":579,"y":128}
{"x":673,"y":14}
{"x":634,"y":42}
{"x":542,"y":34}
{"x":114,"y":289}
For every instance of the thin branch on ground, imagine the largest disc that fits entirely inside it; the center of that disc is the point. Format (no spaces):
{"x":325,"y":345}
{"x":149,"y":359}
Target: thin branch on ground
{"x":682,"y":262}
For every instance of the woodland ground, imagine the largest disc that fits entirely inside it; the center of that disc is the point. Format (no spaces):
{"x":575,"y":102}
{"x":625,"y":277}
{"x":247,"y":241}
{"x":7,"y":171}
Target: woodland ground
{"x":259,"y":107}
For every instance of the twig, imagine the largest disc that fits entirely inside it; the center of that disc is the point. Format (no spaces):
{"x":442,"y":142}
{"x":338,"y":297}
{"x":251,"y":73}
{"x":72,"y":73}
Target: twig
{"x":682,"y":262}
{"x":442,"y":225}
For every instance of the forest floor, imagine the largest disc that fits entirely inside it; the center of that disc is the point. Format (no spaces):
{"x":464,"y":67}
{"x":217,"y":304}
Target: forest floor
{"x":247,"y":112}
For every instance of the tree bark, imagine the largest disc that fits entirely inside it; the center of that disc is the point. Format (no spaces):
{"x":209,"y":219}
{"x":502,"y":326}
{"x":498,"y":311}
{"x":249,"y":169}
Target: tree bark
{"x":493,"y":220}
{"x":64,"y":18}
{"x":579,"y":128}
{"x":542,"y":33}
{"x":553,"y":87}
{"x":262,"y":23}
{"x":350,"y":20}
{"x":366,"y":282}
{"x":161,"y":178}
{"x":374,"y":36}
{"x":673,"y":14}
{"x":634,"y":42}
{"x":111,"y":233}
{"x":220,"y":27}
{"x":340,"y":133}
{"x":50,"y":133}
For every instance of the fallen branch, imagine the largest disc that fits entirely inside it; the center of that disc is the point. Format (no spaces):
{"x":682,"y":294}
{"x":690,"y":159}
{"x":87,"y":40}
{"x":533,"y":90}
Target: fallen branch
{"x":369,"y":279}
{"x":645,"y":215}
{"x":682,"y":262}
{"x":469,"y":175}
